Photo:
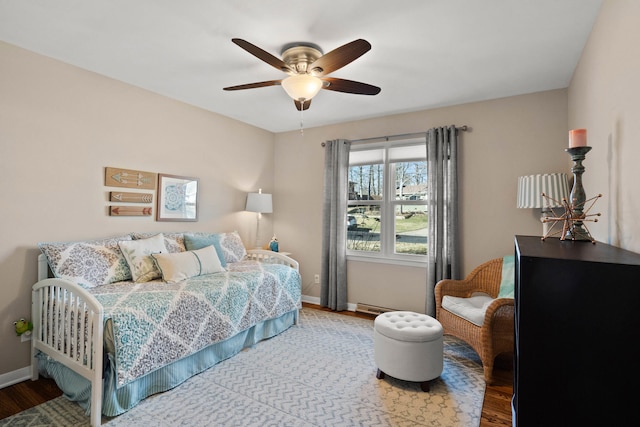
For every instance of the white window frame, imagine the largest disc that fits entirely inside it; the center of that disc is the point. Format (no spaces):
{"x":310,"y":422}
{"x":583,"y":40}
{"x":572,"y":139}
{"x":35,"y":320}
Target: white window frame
{"x":387,"y":207}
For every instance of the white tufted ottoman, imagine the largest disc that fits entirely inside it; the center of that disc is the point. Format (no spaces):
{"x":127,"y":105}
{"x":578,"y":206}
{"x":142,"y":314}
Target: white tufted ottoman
{"x":408,"y":346}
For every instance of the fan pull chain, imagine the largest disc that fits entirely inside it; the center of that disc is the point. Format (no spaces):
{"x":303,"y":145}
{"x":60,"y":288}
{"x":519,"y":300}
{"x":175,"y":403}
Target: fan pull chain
{"x":301,"y":121}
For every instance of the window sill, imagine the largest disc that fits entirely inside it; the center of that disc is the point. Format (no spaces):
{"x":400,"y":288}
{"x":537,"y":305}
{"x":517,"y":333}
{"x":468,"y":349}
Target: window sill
{"x":385,"y":260}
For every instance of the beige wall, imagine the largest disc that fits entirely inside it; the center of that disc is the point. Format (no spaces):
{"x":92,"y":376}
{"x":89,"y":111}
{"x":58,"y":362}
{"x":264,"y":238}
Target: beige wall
{"x":60,"y":126}
{"x":604,"y":98}
{"x":508,"y":137}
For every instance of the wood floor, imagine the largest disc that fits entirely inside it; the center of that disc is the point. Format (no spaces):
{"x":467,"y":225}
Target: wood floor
{"x":496,"y":409}
{"x":25,"y":395}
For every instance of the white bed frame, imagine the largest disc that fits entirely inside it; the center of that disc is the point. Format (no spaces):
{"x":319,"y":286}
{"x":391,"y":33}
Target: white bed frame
{"x":64,"y":313}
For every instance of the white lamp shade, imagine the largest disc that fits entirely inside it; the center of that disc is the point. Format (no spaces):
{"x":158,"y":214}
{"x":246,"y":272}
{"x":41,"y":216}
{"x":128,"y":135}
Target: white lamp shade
{"x":531,"y":187}
{"x":259,"y":202}
{"x":302,"y":87}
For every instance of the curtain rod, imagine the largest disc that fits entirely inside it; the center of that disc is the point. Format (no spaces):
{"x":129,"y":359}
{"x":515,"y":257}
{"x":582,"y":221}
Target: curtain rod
{"x":399,"y":136}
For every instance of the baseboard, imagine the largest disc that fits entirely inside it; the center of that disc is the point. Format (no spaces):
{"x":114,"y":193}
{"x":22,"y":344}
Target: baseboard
{"x":310,"y":299}
{"x":316,"y":301}
{"x":372,"y":309}
{"x":14,"y":377}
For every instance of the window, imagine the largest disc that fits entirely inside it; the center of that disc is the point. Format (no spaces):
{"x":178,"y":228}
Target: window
{"x":386,"y":211}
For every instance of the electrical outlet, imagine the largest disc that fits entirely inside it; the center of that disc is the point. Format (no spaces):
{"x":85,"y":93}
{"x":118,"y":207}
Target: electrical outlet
{"x":316,"y":278}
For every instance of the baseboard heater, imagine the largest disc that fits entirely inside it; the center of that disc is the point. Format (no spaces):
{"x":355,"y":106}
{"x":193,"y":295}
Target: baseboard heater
{"x":372,"y":309}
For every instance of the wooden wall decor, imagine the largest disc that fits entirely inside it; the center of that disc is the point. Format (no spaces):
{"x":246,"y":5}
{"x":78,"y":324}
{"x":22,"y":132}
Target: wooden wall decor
{"x":116,"y":177}
{"x":119,"y":196}
{"x":129,"y":211}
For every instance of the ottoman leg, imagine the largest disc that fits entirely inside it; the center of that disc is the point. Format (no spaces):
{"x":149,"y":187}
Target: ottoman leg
{"x":424,"y":386}
{"x":380,"y":375}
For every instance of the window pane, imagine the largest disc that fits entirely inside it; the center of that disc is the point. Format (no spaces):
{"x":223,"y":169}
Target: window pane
{"x":409,"y":152}
{"x":363,"y":228}
{"x":365,"y":157}
{"x":386,"y":213}
{"x":411,"y":180}
{"x":411,"y":229}
{"x":366,"y":182}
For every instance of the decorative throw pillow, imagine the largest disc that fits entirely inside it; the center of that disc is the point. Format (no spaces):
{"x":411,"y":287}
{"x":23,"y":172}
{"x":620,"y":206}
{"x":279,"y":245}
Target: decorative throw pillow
{"x":507,"y":285}
{"x":173,"y":241}
{"x":193,"y":241}
{"x":232,"y":247}
{"x":89,"y":263}
{"x":177,"y":267}
{"x":138,"y":256}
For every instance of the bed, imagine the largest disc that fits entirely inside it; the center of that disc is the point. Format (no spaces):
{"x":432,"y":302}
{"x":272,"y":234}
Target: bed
{"x":109,"y":346}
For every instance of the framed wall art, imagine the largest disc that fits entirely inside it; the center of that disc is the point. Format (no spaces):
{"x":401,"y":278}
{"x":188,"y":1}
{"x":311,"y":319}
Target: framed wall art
{"x":177,"y":198}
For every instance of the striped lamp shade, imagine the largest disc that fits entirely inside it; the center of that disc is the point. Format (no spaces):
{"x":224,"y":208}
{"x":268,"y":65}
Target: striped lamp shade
{"x":530,"y":188}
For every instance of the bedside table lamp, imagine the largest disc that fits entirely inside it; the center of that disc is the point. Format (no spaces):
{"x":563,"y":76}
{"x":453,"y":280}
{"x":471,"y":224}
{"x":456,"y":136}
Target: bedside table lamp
{"x":261,"y":203}
{"x":531,"y":187}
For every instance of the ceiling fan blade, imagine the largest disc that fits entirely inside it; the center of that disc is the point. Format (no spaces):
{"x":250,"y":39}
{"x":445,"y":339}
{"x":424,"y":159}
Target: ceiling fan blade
{"x":339,"y":57}
{"x":349,"y":86}
{"x":300,"y":106}
{"x":263,"y":55}
{"x":254,"y":85}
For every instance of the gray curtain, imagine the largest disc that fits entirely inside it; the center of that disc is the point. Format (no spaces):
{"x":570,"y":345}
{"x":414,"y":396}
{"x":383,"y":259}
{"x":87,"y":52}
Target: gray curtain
{"x":333,"y":287}
{"x":442,"y":209}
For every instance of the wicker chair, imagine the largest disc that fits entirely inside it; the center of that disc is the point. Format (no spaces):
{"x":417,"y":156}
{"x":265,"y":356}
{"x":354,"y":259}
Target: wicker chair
{"x":496,"y":335}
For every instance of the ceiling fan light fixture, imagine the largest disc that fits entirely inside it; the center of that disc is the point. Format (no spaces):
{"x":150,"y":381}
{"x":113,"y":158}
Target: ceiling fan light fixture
{"x":302,"y":87}
{"x":308,"y":68}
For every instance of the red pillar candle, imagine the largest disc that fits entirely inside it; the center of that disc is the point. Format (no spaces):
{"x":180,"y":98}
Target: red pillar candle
{"x":577,"y":138}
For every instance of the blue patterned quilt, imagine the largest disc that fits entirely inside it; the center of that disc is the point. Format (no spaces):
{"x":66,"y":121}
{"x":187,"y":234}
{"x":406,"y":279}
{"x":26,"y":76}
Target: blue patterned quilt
{"x":156,"y":323}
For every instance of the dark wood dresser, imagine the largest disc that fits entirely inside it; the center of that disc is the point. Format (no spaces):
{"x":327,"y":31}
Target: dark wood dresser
{"x":577,"y":327}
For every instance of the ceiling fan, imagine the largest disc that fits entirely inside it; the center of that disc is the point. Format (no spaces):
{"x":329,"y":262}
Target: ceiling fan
{"x":308,"y":68}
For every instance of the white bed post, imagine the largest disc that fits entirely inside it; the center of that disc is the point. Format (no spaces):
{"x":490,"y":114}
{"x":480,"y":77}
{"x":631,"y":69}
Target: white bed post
{"x":96,"y":381}
{"x":36,"y":310}
{"x":35,"y":333}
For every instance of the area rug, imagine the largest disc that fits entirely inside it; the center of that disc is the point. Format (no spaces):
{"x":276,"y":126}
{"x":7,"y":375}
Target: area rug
{"x":318,"y":373}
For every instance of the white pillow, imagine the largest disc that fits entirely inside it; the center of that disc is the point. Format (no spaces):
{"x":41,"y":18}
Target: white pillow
{"x":176,"y":267}
{"x":138,"y":256}
{"x":173,"y":241}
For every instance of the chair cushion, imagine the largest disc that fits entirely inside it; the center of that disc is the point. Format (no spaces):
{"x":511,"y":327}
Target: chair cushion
{"x":471,"y":309}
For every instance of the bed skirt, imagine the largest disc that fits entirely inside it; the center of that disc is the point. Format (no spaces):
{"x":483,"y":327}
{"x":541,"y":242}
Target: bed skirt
{"x":117,"y":401}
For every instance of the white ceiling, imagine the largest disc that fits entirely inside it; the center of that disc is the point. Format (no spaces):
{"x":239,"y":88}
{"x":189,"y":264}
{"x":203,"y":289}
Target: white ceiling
{"x":425,"y":53}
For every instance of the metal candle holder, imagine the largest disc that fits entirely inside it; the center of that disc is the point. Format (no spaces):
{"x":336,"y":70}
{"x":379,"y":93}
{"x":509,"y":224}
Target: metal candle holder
{"x":578,"y":196}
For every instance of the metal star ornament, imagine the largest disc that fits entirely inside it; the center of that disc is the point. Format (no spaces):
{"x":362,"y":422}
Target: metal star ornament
{"x":572,"y":219}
